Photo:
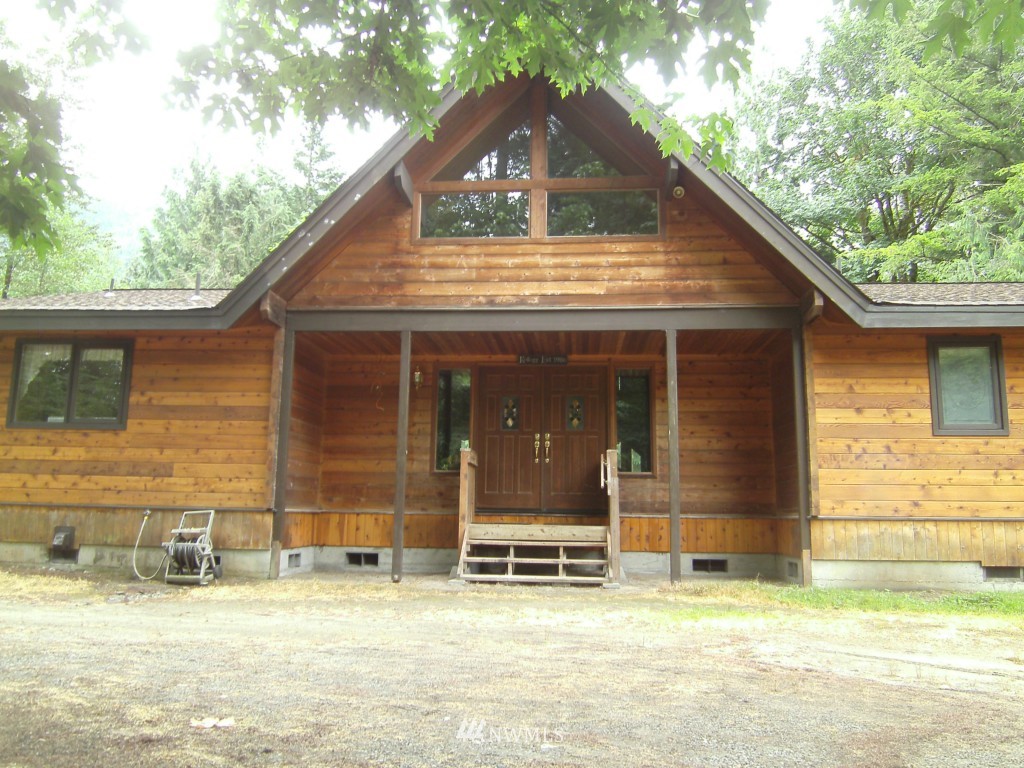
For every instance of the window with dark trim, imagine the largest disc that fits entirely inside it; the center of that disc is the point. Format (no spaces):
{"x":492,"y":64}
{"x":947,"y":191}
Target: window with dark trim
{"x":71,"y":384}
{"x":968,"y":386}
{"x":453,"y":403}
{"x":633,"y":420}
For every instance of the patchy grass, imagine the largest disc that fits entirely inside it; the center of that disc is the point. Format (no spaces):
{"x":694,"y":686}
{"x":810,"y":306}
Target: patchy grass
{"x":764,"y":595}
{"x":44,"y":586}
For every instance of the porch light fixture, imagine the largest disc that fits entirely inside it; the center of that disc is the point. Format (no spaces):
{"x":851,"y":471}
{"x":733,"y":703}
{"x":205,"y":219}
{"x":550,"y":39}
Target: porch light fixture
{"x":417,"y":377}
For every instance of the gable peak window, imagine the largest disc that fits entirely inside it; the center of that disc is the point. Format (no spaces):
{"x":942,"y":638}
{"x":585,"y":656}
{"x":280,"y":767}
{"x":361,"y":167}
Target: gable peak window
{"x":540,"y":170}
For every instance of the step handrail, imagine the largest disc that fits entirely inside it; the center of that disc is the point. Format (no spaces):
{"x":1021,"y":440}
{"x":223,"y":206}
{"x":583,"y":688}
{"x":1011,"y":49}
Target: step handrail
{"x":467,"y":492}
{"x":610,"y":481}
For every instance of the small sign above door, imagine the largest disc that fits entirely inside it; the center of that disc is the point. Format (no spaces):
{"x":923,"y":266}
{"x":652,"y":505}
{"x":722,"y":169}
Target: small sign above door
{"x":543,"y":360}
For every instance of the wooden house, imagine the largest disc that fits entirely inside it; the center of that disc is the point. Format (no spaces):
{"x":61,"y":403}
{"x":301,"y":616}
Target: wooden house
{"x":532,"y":343}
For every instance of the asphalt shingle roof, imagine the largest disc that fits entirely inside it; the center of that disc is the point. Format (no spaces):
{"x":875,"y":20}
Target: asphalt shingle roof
{"x":121,"y":300}
{"x":945,"y":294}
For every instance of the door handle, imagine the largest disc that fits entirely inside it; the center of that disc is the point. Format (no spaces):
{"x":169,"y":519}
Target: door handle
{"x":547,"y":447}
{"x":536,"y":448}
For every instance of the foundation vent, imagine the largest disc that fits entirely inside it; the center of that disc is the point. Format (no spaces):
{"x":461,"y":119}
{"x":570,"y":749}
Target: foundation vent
{"x":295,"y":560}
{"x":710,"y":565}
{"x":1003,"y":573}
{"x":361,"y":559}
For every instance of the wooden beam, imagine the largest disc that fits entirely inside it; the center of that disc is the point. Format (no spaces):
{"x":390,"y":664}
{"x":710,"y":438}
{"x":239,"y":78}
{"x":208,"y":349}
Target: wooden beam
{"x":273,"y":309}
{"x":803,"y":451}
{"x":605,"y":319}
{"x":401,"y":457}
{"x":403,"y":183}
{"x":675,"y":524}
{"x":671,"y":176}
{"x":283,"y":431}
{"x":812,"y":306}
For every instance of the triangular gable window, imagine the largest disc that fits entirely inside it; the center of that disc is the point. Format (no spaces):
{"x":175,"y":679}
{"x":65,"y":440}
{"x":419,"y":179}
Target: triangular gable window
{"x":533,"y":174}
{"x":569,"y":157}
{"x":508,"y":158}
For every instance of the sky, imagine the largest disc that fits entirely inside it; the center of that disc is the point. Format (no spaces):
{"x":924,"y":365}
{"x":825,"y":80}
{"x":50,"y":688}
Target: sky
{"x":127,"y":140}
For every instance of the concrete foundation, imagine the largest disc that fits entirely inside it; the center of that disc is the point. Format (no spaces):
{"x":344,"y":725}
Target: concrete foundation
{"x":365,"y":560}
{"x":774,"y":567}
{"x":247,"y":563}
{"x":864,"y":574}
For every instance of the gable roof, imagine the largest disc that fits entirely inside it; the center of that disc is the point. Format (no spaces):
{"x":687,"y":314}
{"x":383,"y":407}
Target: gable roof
{"x":873,"y":306}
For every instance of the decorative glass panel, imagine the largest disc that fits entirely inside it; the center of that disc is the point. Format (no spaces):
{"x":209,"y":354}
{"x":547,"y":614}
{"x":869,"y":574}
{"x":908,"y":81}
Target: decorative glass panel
{"x":475,"y":214}
{"x":569,"y":157}
{"x":44,"y":383}
{"x":99,"y":385}
{"x":574,"y":417}
{"x":967,"y":386}
{"x":633,"y":420}
{"x":627,"y":212}
{"x":453,"y":402}
{"x":509,"y":413}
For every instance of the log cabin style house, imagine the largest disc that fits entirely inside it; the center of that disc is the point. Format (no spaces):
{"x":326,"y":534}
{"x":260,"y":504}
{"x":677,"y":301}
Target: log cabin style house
{"x":530,"y":349}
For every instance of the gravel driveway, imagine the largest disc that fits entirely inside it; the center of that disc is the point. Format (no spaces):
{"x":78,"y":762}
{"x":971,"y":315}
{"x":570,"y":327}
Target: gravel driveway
{"x":338,"y":671}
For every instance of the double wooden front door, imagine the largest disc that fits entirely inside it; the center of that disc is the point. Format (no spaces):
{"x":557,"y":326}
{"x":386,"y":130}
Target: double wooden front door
{"x":540,"y":434}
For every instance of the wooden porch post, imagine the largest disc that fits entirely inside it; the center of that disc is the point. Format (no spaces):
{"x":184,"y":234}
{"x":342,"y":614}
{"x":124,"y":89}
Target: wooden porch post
{"x":803,"y":453}
{"x":674,"y":525}
{"x":281,"y":468}
{"x":401,"y":457}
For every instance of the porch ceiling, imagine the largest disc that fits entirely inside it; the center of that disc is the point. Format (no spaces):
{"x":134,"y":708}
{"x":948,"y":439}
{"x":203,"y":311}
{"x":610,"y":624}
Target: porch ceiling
{"x":572,"y":343}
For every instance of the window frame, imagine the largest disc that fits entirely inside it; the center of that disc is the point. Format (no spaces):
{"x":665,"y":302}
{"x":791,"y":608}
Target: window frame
{"x":78,"y":348}
{"x":1000,"y":427}
{"x":651,"y":416}
{"x":537,"y":185}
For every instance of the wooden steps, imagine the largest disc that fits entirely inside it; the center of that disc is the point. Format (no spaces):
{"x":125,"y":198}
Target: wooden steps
{"x":512,"y":553}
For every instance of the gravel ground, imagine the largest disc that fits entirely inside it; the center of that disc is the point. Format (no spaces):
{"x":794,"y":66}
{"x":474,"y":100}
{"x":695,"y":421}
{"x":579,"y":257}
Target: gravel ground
{"x":338,"y":671}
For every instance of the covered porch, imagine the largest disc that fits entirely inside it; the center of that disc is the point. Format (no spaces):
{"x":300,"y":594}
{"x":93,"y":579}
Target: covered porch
{"x":702,"y":410}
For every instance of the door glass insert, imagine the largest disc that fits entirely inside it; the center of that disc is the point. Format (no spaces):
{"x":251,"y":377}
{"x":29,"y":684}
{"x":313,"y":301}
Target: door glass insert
{"x":510,"y":414}
{"x":574,"y":420}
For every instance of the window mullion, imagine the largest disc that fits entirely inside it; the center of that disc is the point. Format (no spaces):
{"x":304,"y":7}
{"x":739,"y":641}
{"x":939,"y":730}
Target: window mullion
{"x":76,"y":364}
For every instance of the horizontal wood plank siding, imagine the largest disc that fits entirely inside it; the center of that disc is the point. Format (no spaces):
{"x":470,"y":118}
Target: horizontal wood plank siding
{"x":120,"y":527}
{"x":901,"y":492}
{"x":696,"y":263}
{"x":305,"y":439}
{"x":197,"y":432}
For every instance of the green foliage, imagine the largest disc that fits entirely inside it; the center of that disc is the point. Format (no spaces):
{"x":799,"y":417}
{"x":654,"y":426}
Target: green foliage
{"x":83,"y":260}
{"x":896,"y":166}
{"x":34,"y":177}
{"x":221,"y":229}
{"x":394,"y":57}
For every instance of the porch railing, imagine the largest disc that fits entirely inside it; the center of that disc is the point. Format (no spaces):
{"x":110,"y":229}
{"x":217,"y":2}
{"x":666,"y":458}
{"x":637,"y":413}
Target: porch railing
{"x":467,"y":492}
{"x":610,"y":481}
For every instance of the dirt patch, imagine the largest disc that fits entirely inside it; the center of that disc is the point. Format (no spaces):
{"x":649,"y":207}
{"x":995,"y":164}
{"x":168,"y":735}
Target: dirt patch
{"x":337,"y":671}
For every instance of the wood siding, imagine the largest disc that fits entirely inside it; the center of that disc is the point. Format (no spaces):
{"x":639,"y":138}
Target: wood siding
{"x":887,"y":488}
{"x":196,"y":435}
{"x":305,"y":427}
{"x":695,"y":263}
{"x":120,"y":527}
